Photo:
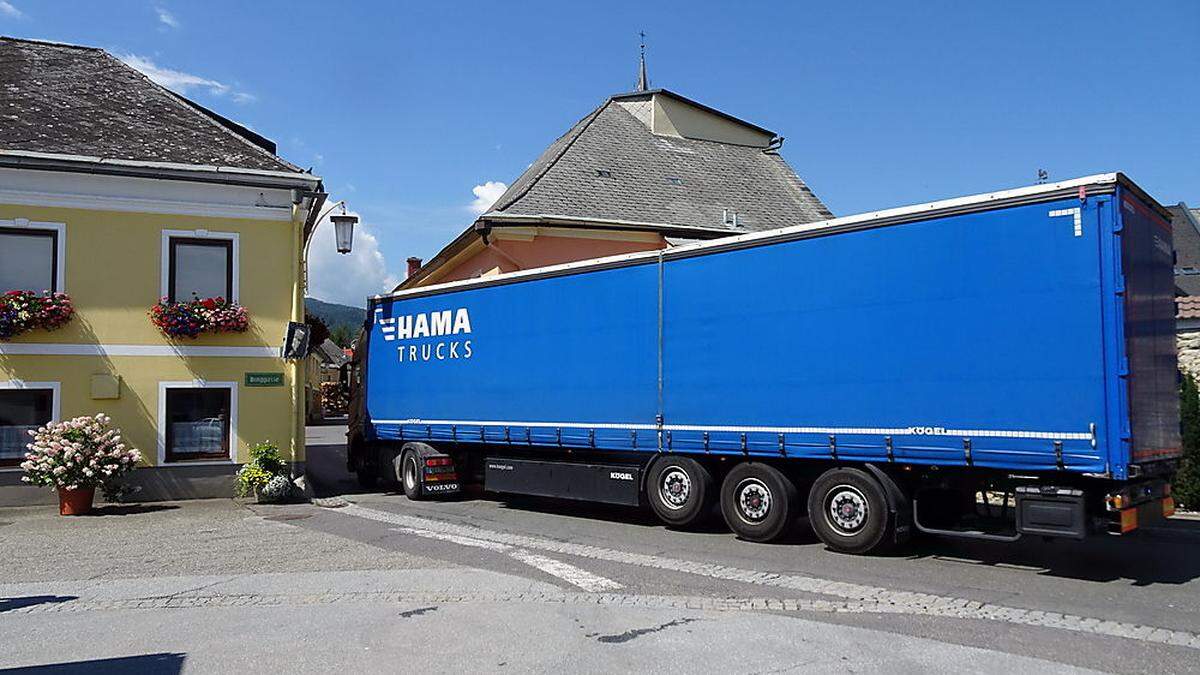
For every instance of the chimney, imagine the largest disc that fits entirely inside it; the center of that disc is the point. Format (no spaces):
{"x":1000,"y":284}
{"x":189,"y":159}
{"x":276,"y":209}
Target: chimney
{"x":414,"y":264}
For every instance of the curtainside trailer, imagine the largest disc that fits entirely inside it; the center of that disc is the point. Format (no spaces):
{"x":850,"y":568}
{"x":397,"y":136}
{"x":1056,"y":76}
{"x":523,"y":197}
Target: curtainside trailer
{"x":991,"y":366}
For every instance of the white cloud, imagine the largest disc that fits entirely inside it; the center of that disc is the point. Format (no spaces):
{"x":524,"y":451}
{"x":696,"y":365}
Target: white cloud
{"x":173,"y":79}
{"x":181,"y":82}
{"x":166,"y":18}
{"x":486,"y":195}
{"x":7,"y":9}
{"x":347,"y":279}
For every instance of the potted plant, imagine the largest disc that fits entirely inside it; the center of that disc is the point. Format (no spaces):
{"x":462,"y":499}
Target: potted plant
{"x":266,"y":475}
{"x":75,"y":457}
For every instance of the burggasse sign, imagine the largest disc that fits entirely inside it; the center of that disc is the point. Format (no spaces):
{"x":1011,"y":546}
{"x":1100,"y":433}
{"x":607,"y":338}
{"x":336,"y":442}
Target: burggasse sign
{"x":264,"y":379}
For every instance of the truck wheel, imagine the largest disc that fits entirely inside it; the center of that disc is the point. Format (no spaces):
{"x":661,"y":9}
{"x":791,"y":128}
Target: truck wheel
{"x":408,"y":472}
{"x":759,"y":502}
{"x":848,"y":510}
{"x":679,"y":489}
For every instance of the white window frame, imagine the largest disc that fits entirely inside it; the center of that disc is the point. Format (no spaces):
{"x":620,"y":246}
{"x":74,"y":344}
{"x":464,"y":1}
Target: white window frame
{"x":60,"y":269}
{"x":162,"y":420}
{"x":167,"y":235}
{"x":55,"y":402}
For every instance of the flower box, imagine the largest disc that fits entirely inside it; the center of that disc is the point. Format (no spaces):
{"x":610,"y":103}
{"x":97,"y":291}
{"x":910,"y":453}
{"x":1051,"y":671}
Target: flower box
{"x":22,"y":311}
{"x":190,"y":318}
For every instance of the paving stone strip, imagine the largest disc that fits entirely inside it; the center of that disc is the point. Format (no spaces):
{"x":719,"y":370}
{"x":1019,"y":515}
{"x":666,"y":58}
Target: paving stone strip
{"x":862,"y":598}
{"x":1145,"y":633}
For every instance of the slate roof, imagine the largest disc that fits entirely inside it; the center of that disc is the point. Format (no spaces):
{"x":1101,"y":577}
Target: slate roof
{"x":658,"y":179}
{"x":1185,"y":225}
{"x":328,"y":353}
{"x":73,"y":100}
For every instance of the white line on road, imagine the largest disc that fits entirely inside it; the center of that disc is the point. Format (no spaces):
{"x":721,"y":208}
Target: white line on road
{"x":569,"y":573}
{"x":453,"y":538}
{"x":872,"y":598}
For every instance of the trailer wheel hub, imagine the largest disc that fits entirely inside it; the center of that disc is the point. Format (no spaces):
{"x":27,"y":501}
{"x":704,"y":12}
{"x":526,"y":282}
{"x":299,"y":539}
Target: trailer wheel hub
{"x":846,"y":509}
{"x":675,"y":488}
{"x":753,"y":500}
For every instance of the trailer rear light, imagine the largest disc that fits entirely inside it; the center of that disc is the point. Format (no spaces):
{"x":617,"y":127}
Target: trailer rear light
{"x":1129,"y":520}
{"x":439,"y":461}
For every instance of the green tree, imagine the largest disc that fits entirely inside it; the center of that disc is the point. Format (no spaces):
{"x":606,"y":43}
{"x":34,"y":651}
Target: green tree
{"x":1187,"y":481}
{"x":342,"y":335}
{"x":318,"y":332}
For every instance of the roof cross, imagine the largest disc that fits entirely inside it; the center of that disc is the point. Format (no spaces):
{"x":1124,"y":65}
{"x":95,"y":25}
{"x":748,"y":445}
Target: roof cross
{"x":643,"y":80}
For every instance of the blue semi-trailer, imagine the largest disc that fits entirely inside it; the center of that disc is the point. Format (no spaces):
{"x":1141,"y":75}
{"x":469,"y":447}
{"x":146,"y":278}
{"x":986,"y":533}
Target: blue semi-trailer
{"x":990,"y":366}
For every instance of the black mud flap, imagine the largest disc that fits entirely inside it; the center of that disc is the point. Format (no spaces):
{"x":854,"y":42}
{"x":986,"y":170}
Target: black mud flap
{"x":439,"y":475}
{"x":1051,"y":511}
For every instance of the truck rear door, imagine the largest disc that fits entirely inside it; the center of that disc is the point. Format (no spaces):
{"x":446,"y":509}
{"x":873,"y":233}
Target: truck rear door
{"x":1148,"y":269}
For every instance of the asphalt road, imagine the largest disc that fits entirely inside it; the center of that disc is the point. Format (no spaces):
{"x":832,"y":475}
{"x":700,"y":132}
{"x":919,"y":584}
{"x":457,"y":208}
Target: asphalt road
{"x":371,"y":582}
{"x":1109,"y":604}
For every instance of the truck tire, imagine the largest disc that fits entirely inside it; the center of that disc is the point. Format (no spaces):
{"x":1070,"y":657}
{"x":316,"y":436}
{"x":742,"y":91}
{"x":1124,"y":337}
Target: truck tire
{"x":680,"y":490}
{"x":759,"y":502}
{"x":408,"y":472}
{"x":848,"y":510}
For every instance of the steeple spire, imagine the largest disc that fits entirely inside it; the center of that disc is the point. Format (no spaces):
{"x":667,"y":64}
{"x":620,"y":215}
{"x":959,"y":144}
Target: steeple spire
{"x":643,"y":81}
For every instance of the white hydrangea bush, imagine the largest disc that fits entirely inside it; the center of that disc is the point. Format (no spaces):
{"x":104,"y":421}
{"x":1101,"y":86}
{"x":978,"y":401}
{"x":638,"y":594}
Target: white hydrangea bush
{"x":78,"y":453}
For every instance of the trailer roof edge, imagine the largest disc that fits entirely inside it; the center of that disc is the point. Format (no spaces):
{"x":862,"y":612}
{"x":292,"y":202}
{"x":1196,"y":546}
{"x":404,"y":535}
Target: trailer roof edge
{"x":1105,"y":182}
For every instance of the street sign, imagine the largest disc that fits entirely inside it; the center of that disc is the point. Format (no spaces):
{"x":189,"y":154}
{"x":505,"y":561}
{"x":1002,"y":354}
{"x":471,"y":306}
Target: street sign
{"x":264,"y":379}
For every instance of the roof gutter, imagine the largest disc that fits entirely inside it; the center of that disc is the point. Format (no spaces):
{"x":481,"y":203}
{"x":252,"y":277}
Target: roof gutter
{"x":500,"y":219}
{"x":483,"y":226}
{"x":38,"y":161}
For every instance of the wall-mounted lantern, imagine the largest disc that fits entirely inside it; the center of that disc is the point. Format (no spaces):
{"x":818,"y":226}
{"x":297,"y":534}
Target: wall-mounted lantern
{"x":343,"y":229}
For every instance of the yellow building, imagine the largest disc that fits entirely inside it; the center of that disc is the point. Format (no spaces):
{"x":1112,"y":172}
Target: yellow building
{"x":119,"y":192}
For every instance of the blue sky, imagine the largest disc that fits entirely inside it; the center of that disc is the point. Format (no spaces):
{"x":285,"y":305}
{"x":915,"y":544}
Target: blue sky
{"x":404,"y":108}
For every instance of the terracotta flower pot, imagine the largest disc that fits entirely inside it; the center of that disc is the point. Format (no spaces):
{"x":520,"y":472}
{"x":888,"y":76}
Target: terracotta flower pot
{"x":75,"y":502}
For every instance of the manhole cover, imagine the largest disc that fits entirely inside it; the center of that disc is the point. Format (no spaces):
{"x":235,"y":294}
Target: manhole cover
{"x":289,"y":516}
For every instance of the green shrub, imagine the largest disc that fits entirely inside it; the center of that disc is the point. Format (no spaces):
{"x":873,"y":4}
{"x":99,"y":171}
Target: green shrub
{"x":265,"y":464}
{"x":1186,"y":488}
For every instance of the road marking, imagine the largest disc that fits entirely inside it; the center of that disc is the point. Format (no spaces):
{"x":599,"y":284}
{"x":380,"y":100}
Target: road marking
{"x":569,"y":573}
{"x":453,"y":538}
{"x":872,"y":599}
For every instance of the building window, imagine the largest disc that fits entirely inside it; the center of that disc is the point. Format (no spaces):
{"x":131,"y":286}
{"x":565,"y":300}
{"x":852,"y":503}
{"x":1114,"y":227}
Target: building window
{"x":200,"y":267}
{"x":28,"y":259}
{"x":197,"y":421}
{"x":23,"y":408}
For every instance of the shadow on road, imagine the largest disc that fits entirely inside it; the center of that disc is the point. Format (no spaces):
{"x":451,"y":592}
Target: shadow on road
{"x":10,"y":604}
{"x":128,"y":509}
{"x":1165,"y":554}
{"x":146,"y":664}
